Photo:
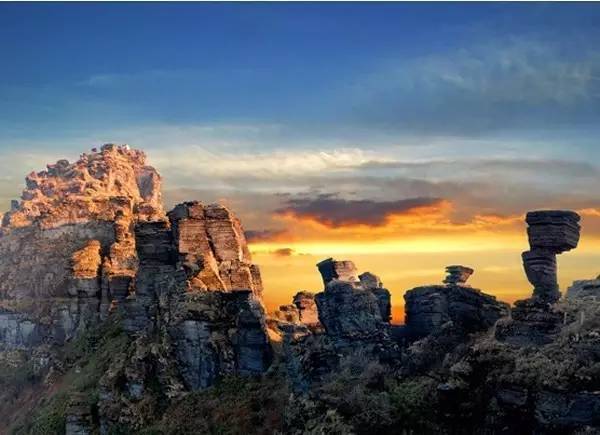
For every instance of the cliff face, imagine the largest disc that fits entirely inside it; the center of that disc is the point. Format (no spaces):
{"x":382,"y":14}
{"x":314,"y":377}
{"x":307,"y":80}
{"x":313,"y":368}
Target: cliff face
{"x":212,"y":249}
{"x":44,"y":238}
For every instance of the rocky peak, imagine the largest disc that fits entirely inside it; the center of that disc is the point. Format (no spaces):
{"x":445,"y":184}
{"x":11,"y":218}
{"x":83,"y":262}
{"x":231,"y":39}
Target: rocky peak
{"x":96,"y":187}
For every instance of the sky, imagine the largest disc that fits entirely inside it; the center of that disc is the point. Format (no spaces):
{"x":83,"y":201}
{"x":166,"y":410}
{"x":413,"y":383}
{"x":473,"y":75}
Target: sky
{"x":403,"y":136}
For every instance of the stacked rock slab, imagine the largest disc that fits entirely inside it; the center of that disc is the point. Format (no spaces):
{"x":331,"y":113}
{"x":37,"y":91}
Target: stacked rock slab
{"x":212,"y":249}
{"x":351,"y":309}
{"x":428,"y":308}
{"x":534,"y":321}
{"x":550,"y":232}
{"x":215,"y":329}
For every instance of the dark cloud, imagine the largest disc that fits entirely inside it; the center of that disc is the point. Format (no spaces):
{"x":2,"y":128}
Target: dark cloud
{"x":336,"y":212}
{"x":262,"y":235}
{"x":283,"y":252}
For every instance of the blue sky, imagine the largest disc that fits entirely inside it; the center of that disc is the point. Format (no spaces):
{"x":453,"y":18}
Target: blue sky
{"x":312,"y":120}
{"x":303,"y":98}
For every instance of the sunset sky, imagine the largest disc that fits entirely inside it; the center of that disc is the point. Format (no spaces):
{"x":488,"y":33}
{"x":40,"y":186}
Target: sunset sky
{"x":404,"y":137}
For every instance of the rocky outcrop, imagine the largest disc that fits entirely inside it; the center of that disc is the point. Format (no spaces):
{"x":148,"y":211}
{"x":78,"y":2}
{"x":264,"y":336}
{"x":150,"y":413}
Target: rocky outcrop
{"x":307,"y":308}
{"x":349,"y":308}
{"x":212,"y":249}
{"x":71,"y":236}
{"x":216,"y":334}
{"x":331,"y":269}
{"x":535,"y":321}
{"x":584,"y":288}
{"x":550,"y":232}
{"x":428,"y":308}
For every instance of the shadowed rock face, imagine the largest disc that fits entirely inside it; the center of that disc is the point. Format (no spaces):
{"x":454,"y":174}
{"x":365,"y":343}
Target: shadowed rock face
{"x":550,"y":232}
{"x":350,"y":308}
{"x":534,"y":321}
{"x":428,"y":308}
{"x":584,"y":288}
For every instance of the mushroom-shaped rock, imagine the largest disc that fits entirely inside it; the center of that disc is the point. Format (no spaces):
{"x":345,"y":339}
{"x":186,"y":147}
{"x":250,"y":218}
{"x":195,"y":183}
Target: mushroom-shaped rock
{"x":457,"y":275}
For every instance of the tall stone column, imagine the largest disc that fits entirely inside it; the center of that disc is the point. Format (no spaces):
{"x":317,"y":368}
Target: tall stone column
{"x":550,"y":232}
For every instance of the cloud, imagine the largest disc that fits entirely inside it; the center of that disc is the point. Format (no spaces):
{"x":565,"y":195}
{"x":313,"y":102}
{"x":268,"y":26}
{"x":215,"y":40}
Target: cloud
{"x":495,"y":84}
{"x":283,"y":252}
{"x":336,"y":212}
{"x":253,"y":236}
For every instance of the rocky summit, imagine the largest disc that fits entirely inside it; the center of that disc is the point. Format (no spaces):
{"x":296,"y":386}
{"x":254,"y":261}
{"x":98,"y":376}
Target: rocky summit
{"x":119,"y":317}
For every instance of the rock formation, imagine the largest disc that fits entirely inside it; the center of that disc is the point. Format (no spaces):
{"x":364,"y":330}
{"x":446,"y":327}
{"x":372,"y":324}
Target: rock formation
{"x":457,"y":275}
{"x":331,"y":269}
{"x":534,"y":320}
{"x":428,"y":308}
{"x":212,"y":249}
{"x":350,"y":308}
{"x":307,"y":308}
{"x":91,"y":238}
{"x":584,"y":288}
{"x":550,"y":232}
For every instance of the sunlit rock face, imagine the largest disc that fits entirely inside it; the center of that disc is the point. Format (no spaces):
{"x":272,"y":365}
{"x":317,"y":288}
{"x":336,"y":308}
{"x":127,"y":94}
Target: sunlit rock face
{"x":212,"y":249}
{"x":428,"y":308}
{"x":63,"y":209}
{"x":69,"y":243}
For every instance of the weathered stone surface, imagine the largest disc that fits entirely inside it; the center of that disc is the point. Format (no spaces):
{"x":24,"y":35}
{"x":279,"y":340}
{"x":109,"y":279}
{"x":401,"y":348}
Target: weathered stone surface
{"x":217,"y":334}
{"x":540,"y":268}
{"x":553,"y":230}
{"x":428,"y":308}
{"x":72,"y":232}
{"x":331,"y":269}
{"x":287,"y":313}
{"x":584,"y":288}
{"x":349,"y":307}
{"x":350,"y":312}
{"x":532,"y":323}
{"x":78,"y":416}
{"x":213,"y":249}
{"x":457,"y":274}
{"x":535,"y":321}
{"x":307,"y":308}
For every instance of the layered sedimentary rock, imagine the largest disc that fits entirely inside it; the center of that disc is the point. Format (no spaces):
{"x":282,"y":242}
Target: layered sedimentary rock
{"x":70,"y":240}
{"x":535,"y":321}
{"x":584,"y":288}
{"x":217,"y":334}
{"x":91,"y":238}
{"x":213,"y":249}
{"x":74,"y":213}
{"x":350,"y":308}
{"x":457,"y":275}
{"x":428,"y":308}
{"x":550,"y":232}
